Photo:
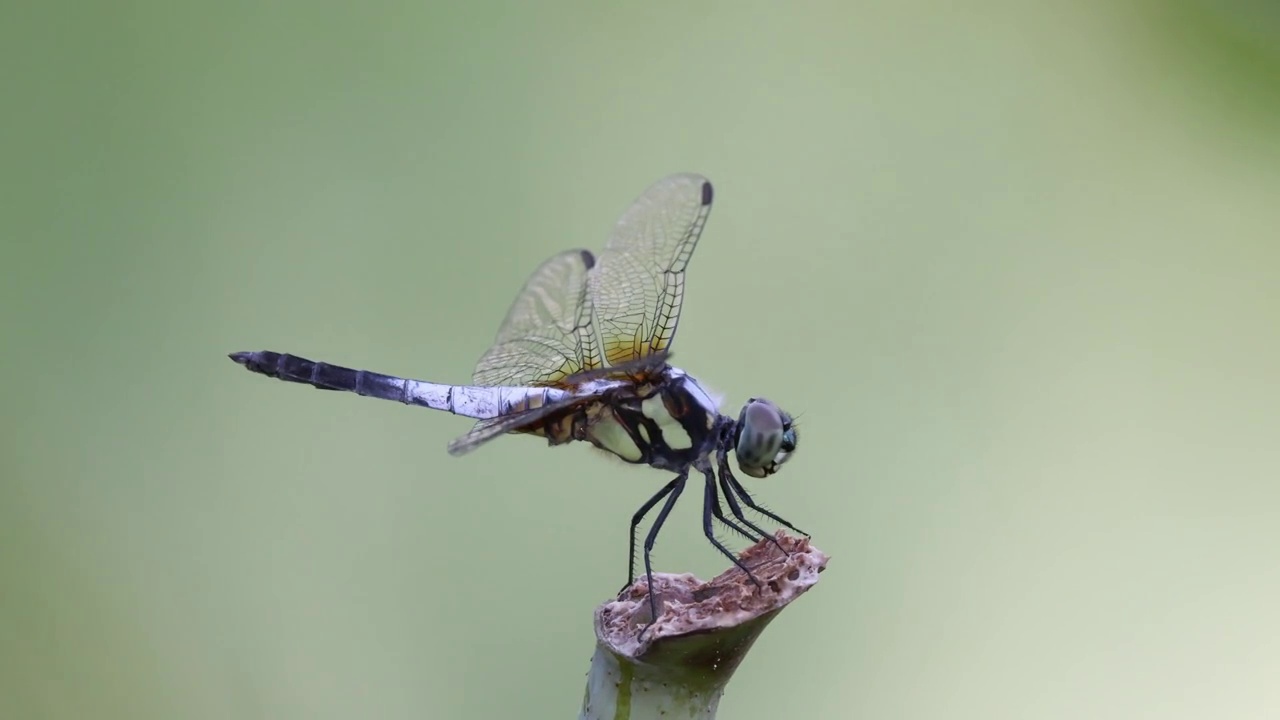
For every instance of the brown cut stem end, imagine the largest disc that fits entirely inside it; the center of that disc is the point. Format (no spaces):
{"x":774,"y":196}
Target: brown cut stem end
{"x":681,"y":662}
{"x":722,"y":613}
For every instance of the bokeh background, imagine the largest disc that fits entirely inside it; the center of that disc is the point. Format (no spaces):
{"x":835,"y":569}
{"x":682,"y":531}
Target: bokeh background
{"x":1014,"y":264}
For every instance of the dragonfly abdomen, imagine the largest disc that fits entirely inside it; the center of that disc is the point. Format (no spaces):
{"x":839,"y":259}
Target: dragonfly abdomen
{"x":478,"y":402}
{"x":292,"y":368}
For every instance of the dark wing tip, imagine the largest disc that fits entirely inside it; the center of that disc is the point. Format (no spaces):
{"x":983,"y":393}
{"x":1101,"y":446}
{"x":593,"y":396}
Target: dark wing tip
{"x":706,"y":192}
{"x":241,"y":357}
{"x":588,"y":259}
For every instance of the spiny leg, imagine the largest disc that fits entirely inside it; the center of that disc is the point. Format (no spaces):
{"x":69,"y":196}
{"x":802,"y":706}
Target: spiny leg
{"x":736,"y":509}
{"x":718,"y":513}
{"x":745,"y":496}
{"x":729,"y":483}
{"x":672,"y":491}
{"x":635,"y":522}
{"x":710,"y":507}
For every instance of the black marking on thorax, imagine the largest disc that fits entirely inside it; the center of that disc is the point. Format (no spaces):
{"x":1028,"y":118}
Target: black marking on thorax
{"x":640,"y":414}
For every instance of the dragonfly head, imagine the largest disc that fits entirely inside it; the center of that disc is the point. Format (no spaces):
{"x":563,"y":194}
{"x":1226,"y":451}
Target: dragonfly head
{"x":766,"y":438}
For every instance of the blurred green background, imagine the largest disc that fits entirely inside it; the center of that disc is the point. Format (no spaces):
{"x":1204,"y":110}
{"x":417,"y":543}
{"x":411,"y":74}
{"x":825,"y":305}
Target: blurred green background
{"x":1014,"y":264}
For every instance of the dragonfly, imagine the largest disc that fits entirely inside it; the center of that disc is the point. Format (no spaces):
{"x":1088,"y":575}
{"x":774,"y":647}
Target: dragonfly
{"x":583,"y":355}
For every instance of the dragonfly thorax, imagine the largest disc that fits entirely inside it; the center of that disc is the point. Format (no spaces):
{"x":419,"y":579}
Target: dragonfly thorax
{"x":668,"y":423}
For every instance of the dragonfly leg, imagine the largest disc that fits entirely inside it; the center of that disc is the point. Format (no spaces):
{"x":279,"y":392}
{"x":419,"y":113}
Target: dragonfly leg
{"x":635,"y":522}
{"x":736,"y":509}
{"x":730,"y":485}
{"x":711,"y":507}
{"x":718,"y":512}
{"x":745,"y":496}
{"x":672,"y":491}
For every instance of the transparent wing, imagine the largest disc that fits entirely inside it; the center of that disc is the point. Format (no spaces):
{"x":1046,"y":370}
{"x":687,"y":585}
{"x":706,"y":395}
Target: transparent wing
{"x":637,"y":285}
{"x":547,"y":333}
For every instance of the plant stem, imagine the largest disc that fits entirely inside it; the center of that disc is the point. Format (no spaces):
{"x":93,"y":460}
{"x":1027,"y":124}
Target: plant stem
{"x":678,"y":666}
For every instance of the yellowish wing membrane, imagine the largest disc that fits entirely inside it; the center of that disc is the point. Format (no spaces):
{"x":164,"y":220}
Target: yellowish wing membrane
{"x":547,"y":333}
{"x":637,"y":285}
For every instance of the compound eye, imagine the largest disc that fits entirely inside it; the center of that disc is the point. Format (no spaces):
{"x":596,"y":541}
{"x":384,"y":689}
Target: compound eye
{"x":764,"y":434}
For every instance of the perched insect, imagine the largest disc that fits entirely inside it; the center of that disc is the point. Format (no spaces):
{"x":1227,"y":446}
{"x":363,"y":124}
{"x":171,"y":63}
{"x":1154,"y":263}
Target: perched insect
{"x":582,"y":355}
